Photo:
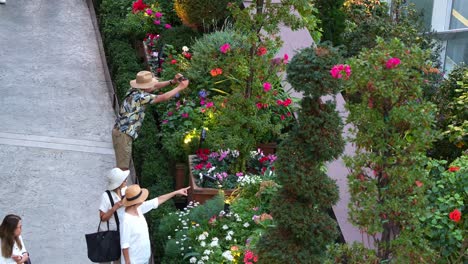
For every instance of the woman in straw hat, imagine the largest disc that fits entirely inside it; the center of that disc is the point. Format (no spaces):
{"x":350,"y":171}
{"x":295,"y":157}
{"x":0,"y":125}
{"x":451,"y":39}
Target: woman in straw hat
{"x":134,"y":236}
{"x":12,"y":247}
{"x":116,"y":184}
{"x":132,"y":111}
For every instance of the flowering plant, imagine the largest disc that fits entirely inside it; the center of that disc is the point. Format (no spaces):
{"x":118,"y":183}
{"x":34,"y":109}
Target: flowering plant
{"x":215,"y":169}
{"x":445,"y":218}
{"x":145,"y":18}
{"x":220,"y":231}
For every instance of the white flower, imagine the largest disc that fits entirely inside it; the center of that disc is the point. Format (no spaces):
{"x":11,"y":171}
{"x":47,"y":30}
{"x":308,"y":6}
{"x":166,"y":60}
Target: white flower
{"x":214,"y":242}
{"x":155,"y":54}
{"x":200,"y":262}
{"x":228,"y":237}
{"x":193,"y":259}
{"x":225,"y":227}
{"x":185,"y":48}
{"x":246,"y":224}
{"x":203,"y":244}
{"x":177,"y":242}
{"x":230,"y":232}
{"x":205,"y":258}
{"x":202,"y":237}
{"x":207,"y":252}
{"x":181,"y":248}
{"x":227,"y":255}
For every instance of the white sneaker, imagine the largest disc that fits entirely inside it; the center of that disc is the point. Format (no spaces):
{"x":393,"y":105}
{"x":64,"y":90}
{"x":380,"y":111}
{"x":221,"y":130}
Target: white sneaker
{"x":2,"y":1}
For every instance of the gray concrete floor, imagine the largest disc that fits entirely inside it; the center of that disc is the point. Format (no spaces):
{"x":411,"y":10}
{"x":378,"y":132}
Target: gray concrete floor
{"x":55,"y":122}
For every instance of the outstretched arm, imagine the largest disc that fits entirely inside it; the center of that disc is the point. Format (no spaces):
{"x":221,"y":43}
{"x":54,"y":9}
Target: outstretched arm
{"x":168,"y":95}
{"x":163,"y":198}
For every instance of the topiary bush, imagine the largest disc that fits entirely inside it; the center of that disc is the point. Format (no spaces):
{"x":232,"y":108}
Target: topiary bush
{"x":304,"y":228}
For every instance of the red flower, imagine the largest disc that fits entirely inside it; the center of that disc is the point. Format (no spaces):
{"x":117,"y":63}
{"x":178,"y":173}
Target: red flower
{"x":282,"y":117}
{"x":259,"y":105}
{"x":173,"y":61}
{"x":455,"y":215}
{"x":261,"y":51}
{"x":199,"y":166}
{"x":138,"y":6}
{"x":287,"y":102}
{"x":454,"y":168}
{"x":263,"y":159}
{"x":187,"y":55}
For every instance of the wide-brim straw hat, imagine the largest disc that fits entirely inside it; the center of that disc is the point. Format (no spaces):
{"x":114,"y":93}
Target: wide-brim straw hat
{"x":134,"y":195}
{"x":115,"y":178}
{"x":144,"y":80}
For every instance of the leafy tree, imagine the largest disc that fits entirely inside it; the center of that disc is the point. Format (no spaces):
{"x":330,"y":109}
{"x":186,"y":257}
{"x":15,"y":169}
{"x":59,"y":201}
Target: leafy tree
{"x":392,"y":132}
{"x":300,"y":209}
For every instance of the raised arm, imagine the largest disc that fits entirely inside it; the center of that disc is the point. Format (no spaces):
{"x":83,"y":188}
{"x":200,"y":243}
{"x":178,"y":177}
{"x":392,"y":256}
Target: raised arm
{"x":168,"y":95}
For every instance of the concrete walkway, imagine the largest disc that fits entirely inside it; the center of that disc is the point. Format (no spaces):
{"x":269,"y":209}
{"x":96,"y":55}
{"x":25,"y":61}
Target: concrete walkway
{"x":55,"y":123}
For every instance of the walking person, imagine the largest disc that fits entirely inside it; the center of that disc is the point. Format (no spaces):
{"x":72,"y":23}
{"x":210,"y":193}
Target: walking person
{"x":12,"y":247}
{"x":134,"y":235}
{"x":108,"y":210}
{"x":132,"y":111}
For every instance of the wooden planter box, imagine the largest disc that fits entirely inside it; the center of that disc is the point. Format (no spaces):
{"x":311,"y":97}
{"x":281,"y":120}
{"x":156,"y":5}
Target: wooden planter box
{"x":200,"y":194}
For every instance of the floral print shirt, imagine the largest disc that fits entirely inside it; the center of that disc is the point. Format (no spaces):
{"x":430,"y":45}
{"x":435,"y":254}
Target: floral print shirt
{"x":132,"y":111}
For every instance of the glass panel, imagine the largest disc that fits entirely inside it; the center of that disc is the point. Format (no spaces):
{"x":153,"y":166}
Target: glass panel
{"x":457,"y":50}
{"x":425,"y":7}
{"x":459,"y":18}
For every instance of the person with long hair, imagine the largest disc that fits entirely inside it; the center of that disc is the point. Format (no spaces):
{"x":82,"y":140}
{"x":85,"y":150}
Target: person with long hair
{"x":11,"y":243}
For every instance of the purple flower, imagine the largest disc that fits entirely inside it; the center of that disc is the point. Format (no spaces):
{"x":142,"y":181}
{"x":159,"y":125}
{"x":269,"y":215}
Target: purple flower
{"x":165,"y":121}
{"x":169,"y":113}
{"x":149,"y":11}
{"x":185,"y":115}
{"x":202,"y":93}
{"x":209,"y":104}
{"x":167,"y":26}
{"x":157,"y":22}
{"x":239,"y":174}
{"x":158,"y":14}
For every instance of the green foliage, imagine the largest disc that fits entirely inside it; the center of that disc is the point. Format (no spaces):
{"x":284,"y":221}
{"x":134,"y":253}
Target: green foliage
{"x":202,"y":14}
{"x":447,"y":190}
{"x":369,"y":19}
{"x":309,"y":73}
{"x":350,"y":254}
{"x":169,"y":12}
{"x":451,"y":102}
{"x":179,"y":36}
{"x":332,"y":20}
{"x":304,"y":228}
{"x":392,"y":131}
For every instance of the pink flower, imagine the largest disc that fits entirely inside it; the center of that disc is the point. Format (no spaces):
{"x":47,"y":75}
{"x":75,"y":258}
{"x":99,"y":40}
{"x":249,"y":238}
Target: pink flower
{"x":169,"y":113}
{"x":185,"y":115}
{"x":337,"y":70}
{"x":167,"y":26}
{"x":285,"y":58}
{"x":173,"y":61}
{"x":392,"y":63}
{"x":225,"y":48}
{"x":261,"y":51}
{"x":149,"y":11}
{"x":165,"y":121}
{"x":259,"y":105}
{"x":210,"y":104}
{"x":266,"y":86}
{"x":282,"y":117}
{"x":158,"y":14}
{"x":157,"y":22}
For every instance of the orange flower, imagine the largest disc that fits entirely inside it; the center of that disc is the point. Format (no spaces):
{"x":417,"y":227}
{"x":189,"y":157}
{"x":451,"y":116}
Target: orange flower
{"x":216,"y":72}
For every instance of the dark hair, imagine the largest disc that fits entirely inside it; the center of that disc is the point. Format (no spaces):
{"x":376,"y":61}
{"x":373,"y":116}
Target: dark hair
{"x":7,"y":234}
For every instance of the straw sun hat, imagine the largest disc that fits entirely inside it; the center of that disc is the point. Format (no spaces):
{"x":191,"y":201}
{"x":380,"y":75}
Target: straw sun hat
{"x":134,"y":195}
{"x":144,"y":80}
{"x":115,"y":177}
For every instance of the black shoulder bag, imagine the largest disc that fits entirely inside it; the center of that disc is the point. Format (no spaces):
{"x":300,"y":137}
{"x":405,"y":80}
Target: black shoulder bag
{"x":104,"y":246}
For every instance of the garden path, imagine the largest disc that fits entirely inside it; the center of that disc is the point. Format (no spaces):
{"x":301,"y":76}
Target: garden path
{"x":56,"y":118}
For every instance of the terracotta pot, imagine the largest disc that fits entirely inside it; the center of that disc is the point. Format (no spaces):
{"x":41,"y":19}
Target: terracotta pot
{"x":201,"y":194}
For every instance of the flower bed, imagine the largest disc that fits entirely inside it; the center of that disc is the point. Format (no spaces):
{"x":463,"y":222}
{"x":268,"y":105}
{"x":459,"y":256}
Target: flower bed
{"x":210,"y":171}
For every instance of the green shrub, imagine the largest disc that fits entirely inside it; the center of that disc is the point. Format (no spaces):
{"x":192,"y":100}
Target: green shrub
{"x":393,"y":129}
{"x":179,"y":36}
{"x":204,"y":15}
{"x":447,"y":191}
{"x":332,"y":20}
